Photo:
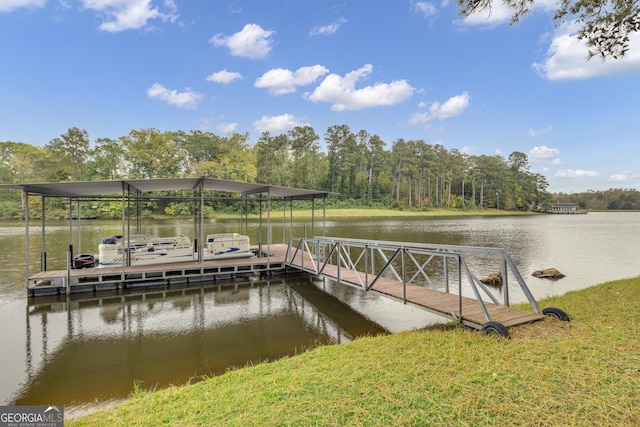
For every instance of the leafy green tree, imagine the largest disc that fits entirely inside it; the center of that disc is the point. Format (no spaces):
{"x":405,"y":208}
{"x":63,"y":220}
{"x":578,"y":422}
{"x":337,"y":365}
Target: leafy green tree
{"x":605,"y":25}
{"x":106,"y":160}
{"x":342,"y":152}
{"x":201,"y":149}
{"x":234,"y":160}
{"x":70,"y":152}
{"x":20,"y":162}
{"x":273,"y":159}
{"x":489,"y":171}
{"x":377,"y":161}
{"x":458,"y":168}
{"x":304,"y":150}
{"x":153,"y":154}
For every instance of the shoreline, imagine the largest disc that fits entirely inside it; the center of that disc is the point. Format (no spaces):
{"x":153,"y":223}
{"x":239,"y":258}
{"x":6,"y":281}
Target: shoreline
{"x":579,"y":372}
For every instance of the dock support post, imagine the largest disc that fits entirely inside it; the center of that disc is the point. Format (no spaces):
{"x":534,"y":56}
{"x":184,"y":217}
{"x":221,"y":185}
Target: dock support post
{"x":313,"y":217}
{"x":324,"y":216}
{"x":43,"y":254}
{"x":70,"y":232}
{"x":269,"y":237}
{"x":26,"y":238}
{"x":459,"y":289}
{"x":446,"y":274}
{"x":69,"y":261}
{"x":202,"y":240}
{"x":505,"y":283}
{"x":366,"y":266}
{"x":124,"y":235}
{"x":79,"y":230}
{"x":404,"y":277}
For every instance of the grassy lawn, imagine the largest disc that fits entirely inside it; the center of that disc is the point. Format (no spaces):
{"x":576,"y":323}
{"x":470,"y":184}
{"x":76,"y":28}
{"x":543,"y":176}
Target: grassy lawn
{"x":580,"y":373}
{"x":394,"y":213}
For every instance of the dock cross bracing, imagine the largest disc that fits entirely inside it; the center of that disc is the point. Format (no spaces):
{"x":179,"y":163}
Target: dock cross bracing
{"x":433,"y":277}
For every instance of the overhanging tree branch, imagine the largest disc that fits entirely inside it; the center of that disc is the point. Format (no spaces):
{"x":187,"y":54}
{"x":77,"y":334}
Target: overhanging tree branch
{"x":605,"y":25}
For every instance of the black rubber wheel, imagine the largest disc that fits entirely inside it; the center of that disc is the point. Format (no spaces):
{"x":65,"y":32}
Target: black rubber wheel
{"x":556,"y":312}
{"x":496,"y":329}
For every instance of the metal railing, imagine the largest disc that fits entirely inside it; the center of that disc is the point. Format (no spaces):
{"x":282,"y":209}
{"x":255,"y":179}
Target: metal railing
{"x":408,"y":263}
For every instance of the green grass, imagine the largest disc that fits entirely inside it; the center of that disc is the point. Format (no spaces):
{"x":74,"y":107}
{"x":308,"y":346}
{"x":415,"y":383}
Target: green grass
{"x":366,"y":213}
{"x":551,"y":373}
{"x":392,"y":213}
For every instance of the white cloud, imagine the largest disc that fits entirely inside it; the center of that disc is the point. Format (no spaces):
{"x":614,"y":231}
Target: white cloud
{"x":341,"y":92}
{"x":187,"y":99}
{"x":425,"y":8}
{"x":624,"y":177}
{"x":252,"y":42}
{"x":11,"y":5}
{"x":277,"y":124}
{"x":451,"y":107}
{"x":567,"y":58}
{"x":227,"y":128}
{"x":575,"y":173}
{"x":224,"y":77}
{"x":280,"y":81}
{"x":542,"y":153}
{"x":538,"y":132}
{"x":130,"y":14}
{"x":327,"y":29}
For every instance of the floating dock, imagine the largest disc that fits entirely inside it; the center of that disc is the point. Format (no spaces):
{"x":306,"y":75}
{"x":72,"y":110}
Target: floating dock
{"x":107,"y":278}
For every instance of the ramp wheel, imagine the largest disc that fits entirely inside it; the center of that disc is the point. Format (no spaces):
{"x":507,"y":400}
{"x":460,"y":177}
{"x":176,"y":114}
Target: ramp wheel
{"x":556,"y":312}
{"x":495,"y":329}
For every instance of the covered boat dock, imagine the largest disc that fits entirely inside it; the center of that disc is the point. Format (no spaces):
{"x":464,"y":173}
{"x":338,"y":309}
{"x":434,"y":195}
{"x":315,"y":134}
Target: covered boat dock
{"x":131,"y":194}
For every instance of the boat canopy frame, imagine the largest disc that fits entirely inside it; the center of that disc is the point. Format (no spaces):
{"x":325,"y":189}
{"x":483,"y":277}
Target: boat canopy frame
{"x":137,"y":190}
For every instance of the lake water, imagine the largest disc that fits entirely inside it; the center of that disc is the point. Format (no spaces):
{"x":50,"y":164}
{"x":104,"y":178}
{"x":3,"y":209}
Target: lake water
{"x":95,"y":348}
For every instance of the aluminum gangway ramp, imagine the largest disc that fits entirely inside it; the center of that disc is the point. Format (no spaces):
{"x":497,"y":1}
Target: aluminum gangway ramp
{"x":433,"y":277}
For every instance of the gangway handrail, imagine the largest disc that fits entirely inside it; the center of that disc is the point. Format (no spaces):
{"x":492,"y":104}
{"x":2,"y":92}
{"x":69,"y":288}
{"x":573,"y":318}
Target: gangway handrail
{"x":320,"y":251}
{"x":507,"y":261}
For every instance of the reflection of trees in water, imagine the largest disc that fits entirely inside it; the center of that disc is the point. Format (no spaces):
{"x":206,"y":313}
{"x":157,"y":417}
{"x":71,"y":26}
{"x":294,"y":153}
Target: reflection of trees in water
{"x":80,"y":350}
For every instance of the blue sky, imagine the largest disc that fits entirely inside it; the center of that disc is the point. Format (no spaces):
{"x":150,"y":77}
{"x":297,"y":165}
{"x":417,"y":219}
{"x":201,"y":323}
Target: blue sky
{"x":398,"y":69}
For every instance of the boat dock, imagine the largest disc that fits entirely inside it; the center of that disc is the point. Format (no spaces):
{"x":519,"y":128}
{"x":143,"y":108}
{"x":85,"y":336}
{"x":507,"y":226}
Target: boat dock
{"x":436,"y":278}
{"x":153,"y":275}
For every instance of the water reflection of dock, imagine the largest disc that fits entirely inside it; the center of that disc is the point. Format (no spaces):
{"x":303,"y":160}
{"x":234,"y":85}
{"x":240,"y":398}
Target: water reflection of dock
{"x":86,"y":347}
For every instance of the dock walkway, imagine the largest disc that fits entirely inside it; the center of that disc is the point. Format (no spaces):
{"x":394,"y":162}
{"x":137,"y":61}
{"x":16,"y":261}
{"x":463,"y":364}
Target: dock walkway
{"x":336,"y":259}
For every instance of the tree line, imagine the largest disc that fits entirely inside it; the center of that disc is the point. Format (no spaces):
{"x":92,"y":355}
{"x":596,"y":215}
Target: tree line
{"x":411,"y":175}
{"x":611,"y":199}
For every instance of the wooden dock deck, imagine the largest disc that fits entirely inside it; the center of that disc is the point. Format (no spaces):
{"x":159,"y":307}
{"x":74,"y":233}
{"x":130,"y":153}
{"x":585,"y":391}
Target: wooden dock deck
{"x":429,"y":299}
{"x":103,"y":278}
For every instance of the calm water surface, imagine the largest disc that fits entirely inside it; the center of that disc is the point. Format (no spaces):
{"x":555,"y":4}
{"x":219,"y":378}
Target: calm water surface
{"x":96,"y":347}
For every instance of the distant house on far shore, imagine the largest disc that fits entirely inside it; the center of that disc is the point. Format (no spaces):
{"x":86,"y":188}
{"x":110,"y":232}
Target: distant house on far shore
{"x":566,"y":208}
